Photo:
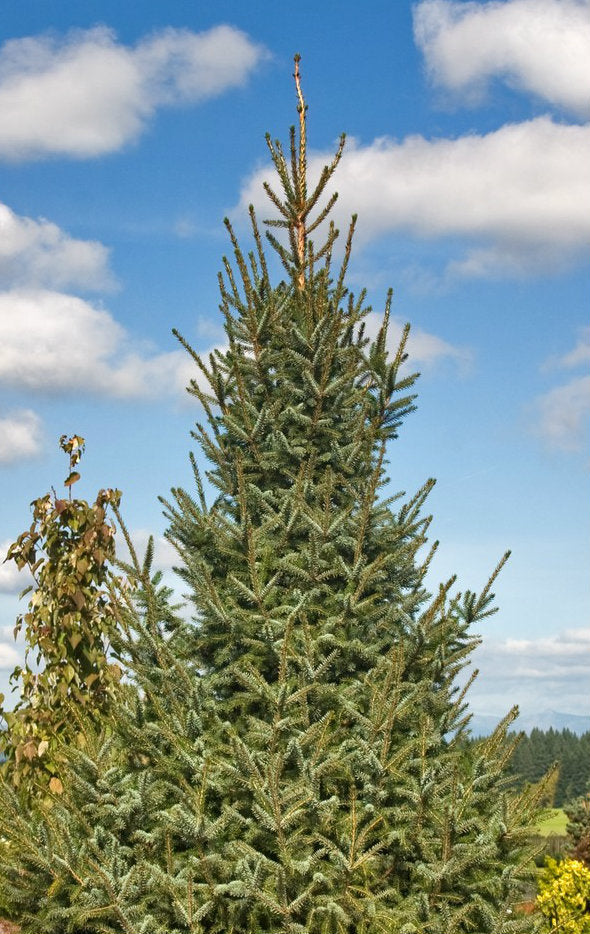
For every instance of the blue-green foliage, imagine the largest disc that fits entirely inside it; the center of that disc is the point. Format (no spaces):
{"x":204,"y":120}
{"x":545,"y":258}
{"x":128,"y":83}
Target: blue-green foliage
{"x":293,"y":761}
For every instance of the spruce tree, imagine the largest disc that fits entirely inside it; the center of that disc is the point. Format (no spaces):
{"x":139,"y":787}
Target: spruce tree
{"x":310,"y":597}
{"x":294,"y":761}
{"x":578,"y":828}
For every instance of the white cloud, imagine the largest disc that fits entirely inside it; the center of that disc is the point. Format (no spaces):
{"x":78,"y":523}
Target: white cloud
{"x":510,"y":259}
{"x":184,"y":228}
{"x":11,"y":580}
{"x":39,"y":253}
{"x":538,"y":46}
{"x":549,"y":656}
{"x":211,"y":329}
{"x":86,"y":94}
{"x":422,"y":348}
{"x":165,"y":554}
{"x":20,"y":435}
{"x":55,"y":342}
{"x":52,"y":342}
{"x":534,"y":672}
{"x":520,"y":192}
{"x":562,"y":414}
{"x":580,"y":354}
{"x":9,"y":657}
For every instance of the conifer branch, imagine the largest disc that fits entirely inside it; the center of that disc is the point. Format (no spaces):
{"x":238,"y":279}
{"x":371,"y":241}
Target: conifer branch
{"x":301,"y":178}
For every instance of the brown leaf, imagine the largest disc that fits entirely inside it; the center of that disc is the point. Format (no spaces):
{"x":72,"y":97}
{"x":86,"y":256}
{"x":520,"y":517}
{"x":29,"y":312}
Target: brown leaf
{"x":78,"y":599}
{"x":56,"y":786}
{"x":8,"y":927}
{"x":29,"y":750}
{"x":116,"y":671}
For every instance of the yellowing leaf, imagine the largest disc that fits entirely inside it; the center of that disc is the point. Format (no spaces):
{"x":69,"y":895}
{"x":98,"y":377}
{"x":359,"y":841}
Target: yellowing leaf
{"x":56,"y":786}
{"x":55,"y":887}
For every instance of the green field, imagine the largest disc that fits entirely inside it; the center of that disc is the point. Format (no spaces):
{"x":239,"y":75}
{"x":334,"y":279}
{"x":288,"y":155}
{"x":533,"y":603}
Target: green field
{"x":554,"y":822}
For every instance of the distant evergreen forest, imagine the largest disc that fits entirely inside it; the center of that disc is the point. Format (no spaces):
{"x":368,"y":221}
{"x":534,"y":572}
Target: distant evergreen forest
{"x":537,"y":752}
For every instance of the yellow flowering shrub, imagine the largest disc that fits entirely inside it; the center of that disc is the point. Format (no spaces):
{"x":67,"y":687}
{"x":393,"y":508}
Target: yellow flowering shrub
{"x":564,"y":896}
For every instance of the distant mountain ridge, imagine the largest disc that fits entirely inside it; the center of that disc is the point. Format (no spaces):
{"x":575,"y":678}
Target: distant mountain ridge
{"x":484,"y":724}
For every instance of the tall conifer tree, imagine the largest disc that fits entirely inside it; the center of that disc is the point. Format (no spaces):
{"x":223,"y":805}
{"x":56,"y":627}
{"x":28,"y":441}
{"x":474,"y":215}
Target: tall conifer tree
{"x":294,"y":762}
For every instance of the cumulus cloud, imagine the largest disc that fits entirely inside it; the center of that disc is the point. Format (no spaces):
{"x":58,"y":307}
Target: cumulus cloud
{"x":520,"y":193}
{"x":513,"y":201}
{"x":11,"y":580}
{"x":51,"y":342}
{"x":86,"y":94}
{"x":537,"y":46}
{"x":39,"y":253}
{"x":55,"y":342}
{"x":20,"y":435}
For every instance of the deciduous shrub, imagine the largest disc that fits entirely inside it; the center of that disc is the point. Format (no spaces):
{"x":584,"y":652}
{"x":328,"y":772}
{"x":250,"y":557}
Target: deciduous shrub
{"x":564,"y":896}
{"x":68,"y":550}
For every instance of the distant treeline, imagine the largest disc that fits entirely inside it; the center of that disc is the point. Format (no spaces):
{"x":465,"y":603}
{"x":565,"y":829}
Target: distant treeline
{"x":537,"y":752}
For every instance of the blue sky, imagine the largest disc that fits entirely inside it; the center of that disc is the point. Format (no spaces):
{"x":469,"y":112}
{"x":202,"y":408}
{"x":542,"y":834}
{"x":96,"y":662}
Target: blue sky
{"x":130,"y":130}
